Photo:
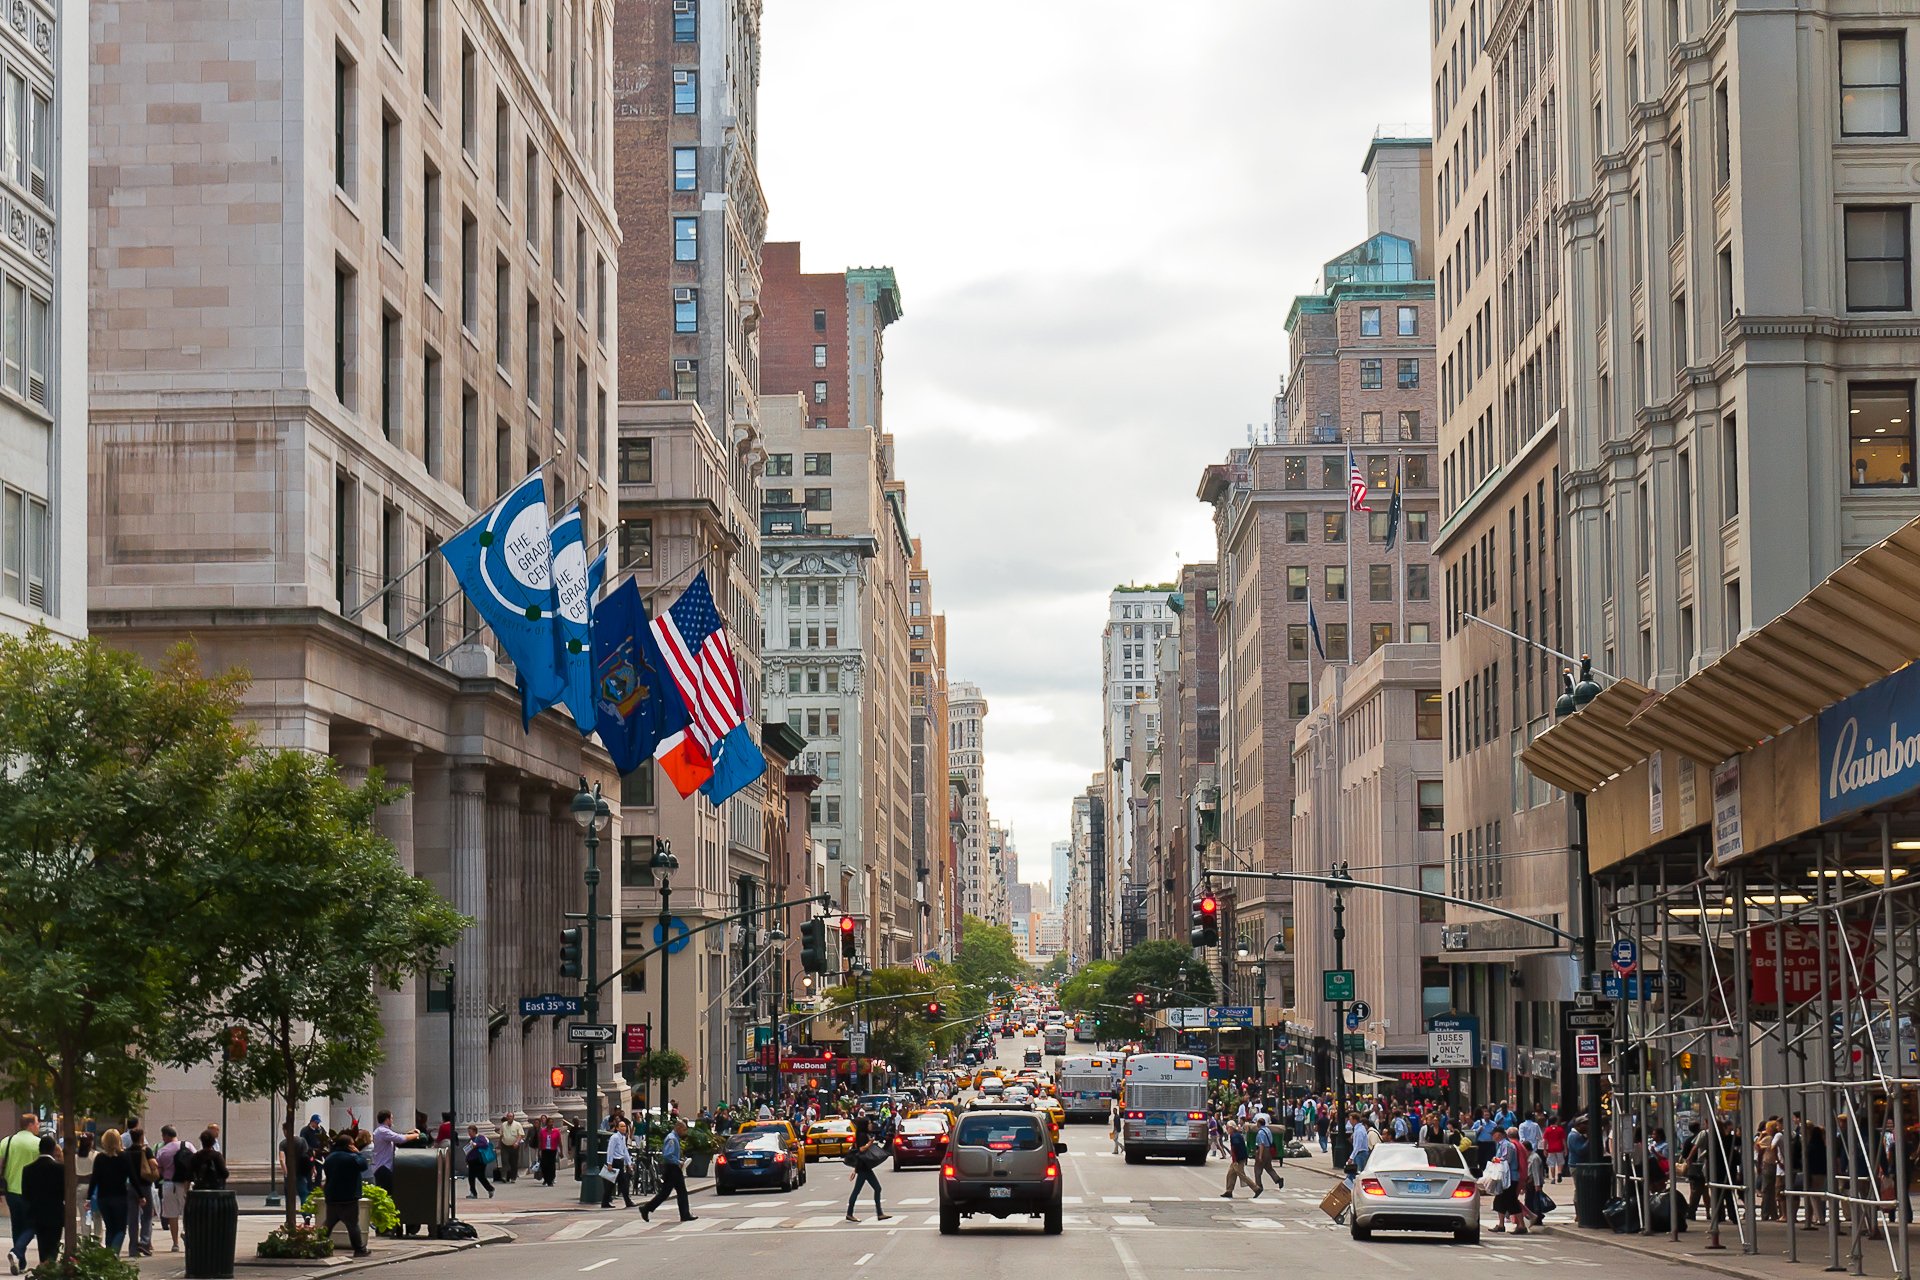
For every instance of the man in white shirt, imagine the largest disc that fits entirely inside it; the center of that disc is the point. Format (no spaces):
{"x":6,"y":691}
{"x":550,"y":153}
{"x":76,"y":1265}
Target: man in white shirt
{"x":614,"y":1175}
{"x":513,"y":1137}
{"x":1531,"y":1132}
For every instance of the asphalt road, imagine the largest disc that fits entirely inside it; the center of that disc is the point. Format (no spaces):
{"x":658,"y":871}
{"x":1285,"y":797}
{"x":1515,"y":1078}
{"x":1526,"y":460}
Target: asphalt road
{"x":1159,"y":1221}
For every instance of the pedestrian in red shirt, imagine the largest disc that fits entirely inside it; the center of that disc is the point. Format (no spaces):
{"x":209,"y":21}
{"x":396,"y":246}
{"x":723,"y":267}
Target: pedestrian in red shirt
{"x":1554,"y":1137}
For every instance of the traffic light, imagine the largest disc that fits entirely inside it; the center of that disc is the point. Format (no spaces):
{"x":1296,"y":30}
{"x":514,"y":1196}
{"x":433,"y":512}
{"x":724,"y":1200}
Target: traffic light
{"x":562,"y":1077}
{"x":1206,"y":921}
{"x":813,"y":946}
{"x":570,"y":952}
{"x":1139,"y":999}
{"x":933,"y":1011}
{"x":847,"y":946}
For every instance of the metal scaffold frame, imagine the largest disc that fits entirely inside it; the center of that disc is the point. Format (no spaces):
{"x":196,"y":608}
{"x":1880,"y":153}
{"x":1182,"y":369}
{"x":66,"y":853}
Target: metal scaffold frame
{"x":1801,"y":975}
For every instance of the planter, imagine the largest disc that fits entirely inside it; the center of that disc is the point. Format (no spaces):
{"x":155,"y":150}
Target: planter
{"x":339,"y":1233}
{"x":698,"y":1163}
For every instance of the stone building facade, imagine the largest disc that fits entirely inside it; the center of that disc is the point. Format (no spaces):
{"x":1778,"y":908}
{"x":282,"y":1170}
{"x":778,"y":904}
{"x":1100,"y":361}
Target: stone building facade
{"x":967,"y":759}
{"x":371,"y":296}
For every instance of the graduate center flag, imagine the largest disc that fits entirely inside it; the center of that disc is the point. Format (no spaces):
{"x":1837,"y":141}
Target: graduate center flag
{"x":573,"y":591}
{"x":693,"y":640}
{"x":504,"y":563}
{"x":635,"y":701}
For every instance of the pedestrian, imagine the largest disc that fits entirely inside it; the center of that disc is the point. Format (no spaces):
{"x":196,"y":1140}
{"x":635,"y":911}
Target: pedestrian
{"x":480,"y":1155}
{"x":513,"y":1136}
{"x":385,"y":1139}
{"x":1508,"y":1197}
{"x":1811,"y":1168}
{"x":1266,"y":1151}
{"x":1768,"y":1152}
{"x":141,"y":1195}
{"x":1554,"y":1136}
{"x":319,"y":1145}
{"x":614,"y":1172}
{"x":546,"y":1138}
{"x":209,"y":1164}
{"x":865,"y":1156}
{"x":44,"y":1185}
{"x":16,"y":1153}
{"x":1360,"y":1136}
{"x":176,"y":1174}
{"x":1113,"y":1121}
{"x":1237,"y":1162}
{"x":108,"y":1183}
{"x":343,"y":1171}
{"x":673,"y":1175}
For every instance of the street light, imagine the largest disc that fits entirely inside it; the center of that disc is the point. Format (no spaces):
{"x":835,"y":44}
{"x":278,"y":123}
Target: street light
{"x":664,"y":864}
{"x":590,"y":813}
{"x":1593,"y":1176}
{"x":775,"y":937}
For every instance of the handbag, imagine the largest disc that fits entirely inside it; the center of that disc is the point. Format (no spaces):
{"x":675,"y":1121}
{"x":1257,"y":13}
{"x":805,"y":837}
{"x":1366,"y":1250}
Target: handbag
{"x":1493,"y":1177}
{"x":489,"y":1155}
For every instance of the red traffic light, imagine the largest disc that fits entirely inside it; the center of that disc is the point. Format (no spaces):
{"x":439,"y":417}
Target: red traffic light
{"x":1209,"y":905}
{"x":846,"y":924}
{"x":1139,"y":998}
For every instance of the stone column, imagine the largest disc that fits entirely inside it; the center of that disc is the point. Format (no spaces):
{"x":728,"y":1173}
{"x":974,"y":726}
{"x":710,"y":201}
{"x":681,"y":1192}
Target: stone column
{"x":537,"y":956}
{"x":505,"y":885}
{"x":393,"y":1081}
{"x":432,"y":827}
{"x":566,"y":892}
{"x":467,"y":806}
{"x":353,"y":755}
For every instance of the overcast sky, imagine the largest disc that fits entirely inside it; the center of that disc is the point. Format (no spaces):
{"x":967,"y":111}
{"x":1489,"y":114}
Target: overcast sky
{"x":1099,"y":212}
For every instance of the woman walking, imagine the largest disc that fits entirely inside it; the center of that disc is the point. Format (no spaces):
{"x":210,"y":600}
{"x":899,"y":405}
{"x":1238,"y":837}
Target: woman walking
{"x":110,"y":1181}
{"x":140,"y":1194}
{"x":479,"y":1156}
{"x":1508,"y":1201}
{"x":864,"y":1157}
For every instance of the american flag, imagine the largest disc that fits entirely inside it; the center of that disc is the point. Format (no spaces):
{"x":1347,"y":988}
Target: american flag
{"x":1356,"y":486}
{"x":694,"y":642}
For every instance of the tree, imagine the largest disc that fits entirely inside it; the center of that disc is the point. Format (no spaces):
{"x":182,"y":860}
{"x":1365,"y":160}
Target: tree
{"x":1058,"y":967}
{"x":1086,"y":991}
{"x":304,"y":980}
{"x":1166,"y":971}
{"x":987,"y":962}
{"x":108,"y":915}
{"x":894,"y":1006}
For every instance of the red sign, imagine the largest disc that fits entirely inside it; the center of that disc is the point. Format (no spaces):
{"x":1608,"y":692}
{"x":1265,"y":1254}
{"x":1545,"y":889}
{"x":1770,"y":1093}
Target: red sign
{"x":636,"y":1039}
{"x":815,"y":1064}
{"x":1425,"y":1079}
{"x":1798,"y":965}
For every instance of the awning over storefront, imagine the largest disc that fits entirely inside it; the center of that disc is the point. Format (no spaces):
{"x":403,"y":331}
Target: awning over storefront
{"x":1584,"y":750}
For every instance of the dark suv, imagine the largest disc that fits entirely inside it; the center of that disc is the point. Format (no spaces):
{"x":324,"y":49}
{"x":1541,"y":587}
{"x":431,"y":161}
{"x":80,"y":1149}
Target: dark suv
{"x":1001,"y":1161}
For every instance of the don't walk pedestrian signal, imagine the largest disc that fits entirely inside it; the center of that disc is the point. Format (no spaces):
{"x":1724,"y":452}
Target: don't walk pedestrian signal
{"x":563,"y":1077}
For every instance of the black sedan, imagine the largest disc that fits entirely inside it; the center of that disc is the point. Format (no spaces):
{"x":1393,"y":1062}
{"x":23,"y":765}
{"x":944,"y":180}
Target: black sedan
{"x":921,"y":1142}
{"x":754,"y":1160}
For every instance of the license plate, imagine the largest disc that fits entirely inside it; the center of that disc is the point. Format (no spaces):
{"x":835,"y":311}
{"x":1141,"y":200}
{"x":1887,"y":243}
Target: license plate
{"x":999,"y":1193}
{"x":1419,"y":1188}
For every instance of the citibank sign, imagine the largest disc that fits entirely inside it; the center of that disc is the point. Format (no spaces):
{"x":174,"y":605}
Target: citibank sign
{"x":1866,"y":756}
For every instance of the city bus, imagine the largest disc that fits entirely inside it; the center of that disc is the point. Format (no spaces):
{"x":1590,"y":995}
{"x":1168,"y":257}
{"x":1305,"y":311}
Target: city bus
{"x":1163,"y":1106}
{"x":1054,"y":1039}
{"x":1086,"y":1085}
{"x":1083,"y":1032}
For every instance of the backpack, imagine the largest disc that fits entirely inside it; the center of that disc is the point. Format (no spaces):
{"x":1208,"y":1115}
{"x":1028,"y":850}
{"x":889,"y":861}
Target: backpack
{"x":183,"y":1164}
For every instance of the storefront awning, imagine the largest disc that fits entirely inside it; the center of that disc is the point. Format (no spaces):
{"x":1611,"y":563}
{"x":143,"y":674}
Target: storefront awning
{"x":1584,"y":750}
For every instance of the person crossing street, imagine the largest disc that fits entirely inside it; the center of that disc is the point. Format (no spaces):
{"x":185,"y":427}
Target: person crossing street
{"x":673,"y":1175}
{"x":1237,"y":1162}
{"x":864,"y":1156}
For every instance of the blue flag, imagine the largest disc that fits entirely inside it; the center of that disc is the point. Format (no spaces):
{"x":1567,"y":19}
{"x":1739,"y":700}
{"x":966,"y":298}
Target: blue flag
{"x":596,"y":577}
{"x":636,"y":702}
{"x":573,"y":592}
{"x":737,"y":761}
{"x":1313,"y":625}
{"x":504,"y":563}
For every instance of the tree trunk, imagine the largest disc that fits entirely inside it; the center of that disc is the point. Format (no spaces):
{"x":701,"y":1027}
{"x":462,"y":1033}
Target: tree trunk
{"x":68,"y":1094}
{"x":287,"y":1066}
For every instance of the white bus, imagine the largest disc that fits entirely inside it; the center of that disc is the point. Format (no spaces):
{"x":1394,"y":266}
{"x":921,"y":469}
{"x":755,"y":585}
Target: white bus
{"x":1163,"y":1106}
{"x":1054,"y":1039}
{"x":1086,"y":1083}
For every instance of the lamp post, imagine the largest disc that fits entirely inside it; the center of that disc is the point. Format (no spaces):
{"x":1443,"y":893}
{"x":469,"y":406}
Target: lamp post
{"x":1593,"y":1176}
{"x":776,"y":938}
{"x":1276,"y":943}
{"x":590,"y":813}
{"x":1342,"y":1135}
{"x":664,"y":864}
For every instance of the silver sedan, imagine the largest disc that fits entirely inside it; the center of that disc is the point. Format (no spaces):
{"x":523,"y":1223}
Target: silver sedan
{"x":1411,"y":1187}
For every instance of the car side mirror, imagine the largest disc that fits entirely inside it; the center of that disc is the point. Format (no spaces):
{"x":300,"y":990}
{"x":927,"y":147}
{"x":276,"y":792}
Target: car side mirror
{"x":1060,"y":1147}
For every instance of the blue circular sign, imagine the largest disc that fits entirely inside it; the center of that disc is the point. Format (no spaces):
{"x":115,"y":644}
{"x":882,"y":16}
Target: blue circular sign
{"x":1626,"y":956}
{"x":680,"y":939}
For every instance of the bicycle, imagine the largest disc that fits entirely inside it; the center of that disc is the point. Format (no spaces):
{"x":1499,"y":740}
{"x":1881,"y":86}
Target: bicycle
{"x":646,"y":1174}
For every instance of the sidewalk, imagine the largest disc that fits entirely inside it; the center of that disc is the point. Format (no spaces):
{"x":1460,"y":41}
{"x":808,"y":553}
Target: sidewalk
{"x":1769,"y":1259}
{"x":254,"y":1227}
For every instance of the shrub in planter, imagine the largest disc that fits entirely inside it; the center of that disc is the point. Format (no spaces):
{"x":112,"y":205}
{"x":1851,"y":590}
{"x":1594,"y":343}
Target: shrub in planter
{"x":91,"y":1261}
{"x":297,"y":1242}
{"x":382,"y":1212}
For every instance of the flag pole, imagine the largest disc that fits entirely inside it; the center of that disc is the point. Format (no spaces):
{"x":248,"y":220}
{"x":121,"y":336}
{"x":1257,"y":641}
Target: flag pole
{"x":1400,"y":536}
{"x":1351,"y":513}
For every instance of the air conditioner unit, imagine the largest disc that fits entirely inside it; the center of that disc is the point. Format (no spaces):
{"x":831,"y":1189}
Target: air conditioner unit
{"x":683,"y":6}
{"x":683,"y":366}
{"x":683,"y":295}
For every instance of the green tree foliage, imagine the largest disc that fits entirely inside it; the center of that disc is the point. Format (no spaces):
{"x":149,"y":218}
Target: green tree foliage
{"x":1167,"y":971}
{"x":987,"y":964}
{"x":895,"y":1002}
{"x":1086,"y":990}
{"x":107,"y":889}
{"x":1058,"y":967}
{"x":303,"y":981}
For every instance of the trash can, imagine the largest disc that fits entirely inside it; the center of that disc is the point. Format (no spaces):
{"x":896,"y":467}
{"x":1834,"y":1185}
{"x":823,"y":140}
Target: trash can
{"x":211,"y":1222}
{"x":421,"y":1179}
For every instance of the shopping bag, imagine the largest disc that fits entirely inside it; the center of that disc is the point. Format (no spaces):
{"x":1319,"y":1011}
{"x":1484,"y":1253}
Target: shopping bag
{"x":1335,"y":1202}
{"x":1494,"y":1177}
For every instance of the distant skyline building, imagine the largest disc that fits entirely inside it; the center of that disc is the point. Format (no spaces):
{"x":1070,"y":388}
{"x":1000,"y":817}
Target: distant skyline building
{"x":1062,"y":874}
{"x":966,"y":758}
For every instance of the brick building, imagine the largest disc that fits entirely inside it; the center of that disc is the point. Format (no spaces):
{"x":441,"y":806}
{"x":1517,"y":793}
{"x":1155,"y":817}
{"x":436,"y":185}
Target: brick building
{"x":825,"y":337}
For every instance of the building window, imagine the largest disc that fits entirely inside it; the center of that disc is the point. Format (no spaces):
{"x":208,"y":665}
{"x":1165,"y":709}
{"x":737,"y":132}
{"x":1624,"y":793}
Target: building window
{"x":1409,"y":374}
{"x":686,"y":379}
{"x":1379,"y":472}
{"x":686,"y":239}
{"x":502,"y":314}
{"x":430,"y":50}
{"x":819,"y":499}
{"x":1369,"y":322}
{"x":1414,"y":471}
{"x":1409,"y":322}
{"x":391,"y":179}
{"x":1433,"y":809}
{"x":686,"y":311}
{"x":1873,"y":85}
{"x":1334,"y":578}
{"x":1369,"y":375}
{"x":778,"y":497}
{"x":686,"y":93}
{"x":636,"y":788}
{"x":636,"y":461}
{"x":1297,"y":700}
{"x":1296,"y":582}
{"x":1419,"y":632}
{"x":686,"y":21}
{"x":532,"y":175}
{"x":1426,"y":715}
{"x":1295,"y":468}
{"x":1377,"y":526}
{"x":469,"y":271}
{"x":1416,"y":526}
{"x":819,"y":355}
{"x":1336,"y":634}
{"x":819,"y":321}
{"x":1730,"y":468}
{"x":636,"y":544}
{"x":1417,"y":582}
{"x":1880,"y":424}
{"x":343,"y":120}
{"x":1379,"y":634}
{"x":819,"y":393}
{"x":1379,"y":582}
{"x":392,"y":375}
{"x":431,"y":428}
{"x":430,"y":225}
{"x":1333,"y":469}
{"x":1296,"y":526}
{"x":685,"y":168}
{"x":345,"y":332}
{"x":1297,"y":642}
{"x":817,"y":464}
{"x":502,"y":152}
{"x":780,"y":464}
{"x":1334,"y":527}
{"x":469,"y":98}
{"x":1410,"y":430}
{"x":1877,"y":267}
{"x":26,"y":558}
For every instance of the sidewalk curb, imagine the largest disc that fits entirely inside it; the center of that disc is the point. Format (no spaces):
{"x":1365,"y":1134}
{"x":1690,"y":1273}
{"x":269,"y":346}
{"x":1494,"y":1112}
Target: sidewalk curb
{"x":1706,"y":1262}
{"x":488,"y":1233}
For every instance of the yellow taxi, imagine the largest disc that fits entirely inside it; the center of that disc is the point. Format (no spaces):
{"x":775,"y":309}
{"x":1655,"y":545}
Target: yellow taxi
{"x":948,"y":1109}
{"x":829,"y":1136}
{"x":1031,"y":1029}
{"x":1055,"y":1113}
{"x":789,"y":1140}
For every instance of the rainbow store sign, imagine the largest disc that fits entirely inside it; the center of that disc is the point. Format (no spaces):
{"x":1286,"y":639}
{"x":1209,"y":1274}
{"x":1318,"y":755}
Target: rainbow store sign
{"x":1866,"y":756}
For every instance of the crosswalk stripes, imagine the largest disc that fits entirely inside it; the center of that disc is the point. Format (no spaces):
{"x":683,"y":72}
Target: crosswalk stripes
{"x":824,"y":1220}
{"x":917,"y":1201}
{"x":1261,"y":1224}
{"x":1132,"y":1220}
{"x":758,"y":1224}
{"x":632,"y":1228}
{"x":576,"y":1231}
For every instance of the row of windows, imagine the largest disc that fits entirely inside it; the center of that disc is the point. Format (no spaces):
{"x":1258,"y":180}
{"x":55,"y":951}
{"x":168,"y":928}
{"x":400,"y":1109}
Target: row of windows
{"x":812,"y":464}
{"x":26,"y":551}
{"x":813,"y":679}
{"x":1473,"y":713}
{"x":1380,"y":581}
{"x":815,"y":635}
{"x":813,"y":593}
{"x":1415,"y":467}
{"x":1475,"y":865}
{"x":1371,"y":373}
{"x":1333,"y":637}
{"x":1406,"y":322}
{"x":816,"y":499}
{"x":814,"y":722}
{"x":1333,"y":525}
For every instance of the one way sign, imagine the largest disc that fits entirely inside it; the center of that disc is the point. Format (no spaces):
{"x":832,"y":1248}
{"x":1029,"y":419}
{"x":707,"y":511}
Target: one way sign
{"x":590,"y":1033}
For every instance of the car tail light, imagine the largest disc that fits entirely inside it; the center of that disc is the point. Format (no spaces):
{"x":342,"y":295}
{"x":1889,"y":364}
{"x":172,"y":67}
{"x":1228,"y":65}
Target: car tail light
{"x":1196,"y":1115}
{"x":1053,"y":1168}
{"x":1372,"y":1187}
{"x":899,"y":1142}
{"x":1465,"y":1191}
{"x":946,"y":1171}
{"x":1136,"y":1115}
{"x":779,"y":1157}
{"x":719,"y":1159}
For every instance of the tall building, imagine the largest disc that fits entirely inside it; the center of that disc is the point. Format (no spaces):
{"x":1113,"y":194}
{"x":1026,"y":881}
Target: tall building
{"x":1061,"y":882}
{"x":1138,"y":618}
{"x":1292,"y":556}
{"x":826,"y":337}
{"x":997,"y":894}
{"x":967,"y":741}
{"x":1186,"y":784}
{"x":1021,"y":898}
{"x":692,"y":220}
{"x":836,"y":594}
{"x":366,"y":298}
{"x":935,"y":869}
{"x":1497,"y":184}
{"x":44,"y":310}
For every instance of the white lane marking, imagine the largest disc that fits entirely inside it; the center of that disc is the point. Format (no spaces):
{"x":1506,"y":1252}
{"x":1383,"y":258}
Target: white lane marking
{"x":863,"y":1260}
{"x":919,"y":1200}
{"x":825,"y":1220}
{"x":632,"y":1228}
{"x":1261,"y":1224}
{"x":1116,"y":1199}
{"x":576,"y":1231}
{"x":1173,"y":1199}
{"x":813,"y":1204}
{"x":1128,"y":1262}
{"x":688,"y":1227}
{"x":1074,"y":1199}
{"x":758,"y":1224}
{"x":604,"y":1262}
{"x":1132,"y":1220}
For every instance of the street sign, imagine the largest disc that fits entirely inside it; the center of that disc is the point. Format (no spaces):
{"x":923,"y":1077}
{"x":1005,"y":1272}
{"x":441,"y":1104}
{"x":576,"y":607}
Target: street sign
{"x":1654,"y":982}
{"x":1586,"y":1055}
{"x":1229,"y":1015}
{"x":1337,"y":985}
{"x":541,"y":1006}
{"x":1625,"y":955}
{"x":1360,"y":1012}
{"x":1354,"y":1044}
{"x":1353,"y":1020}
{"x":590,"y":1033}
{"x":1600,"y":1020}
{"x":678,"y":928}
{"x":636,"y":1039}
{"x":857,"y":1042}
{"x":1450,"y":1040}
{"x":1584,"y":999}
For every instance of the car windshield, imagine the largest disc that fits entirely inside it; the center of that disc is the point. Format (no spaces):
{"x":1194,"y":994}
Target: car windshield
{"x":1398,"y":1155}
{"x":754,"y":1142}
{"x":923,"y":1124}
{"x":833,"y":1126}
{"x":999,"y":1132}
{"x":767,"y":1127}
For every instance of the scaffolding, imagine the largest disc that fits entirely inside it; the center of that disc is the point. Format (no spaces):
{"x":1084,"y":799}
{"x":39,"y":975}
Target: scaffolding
{"x":1785,"y":992}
